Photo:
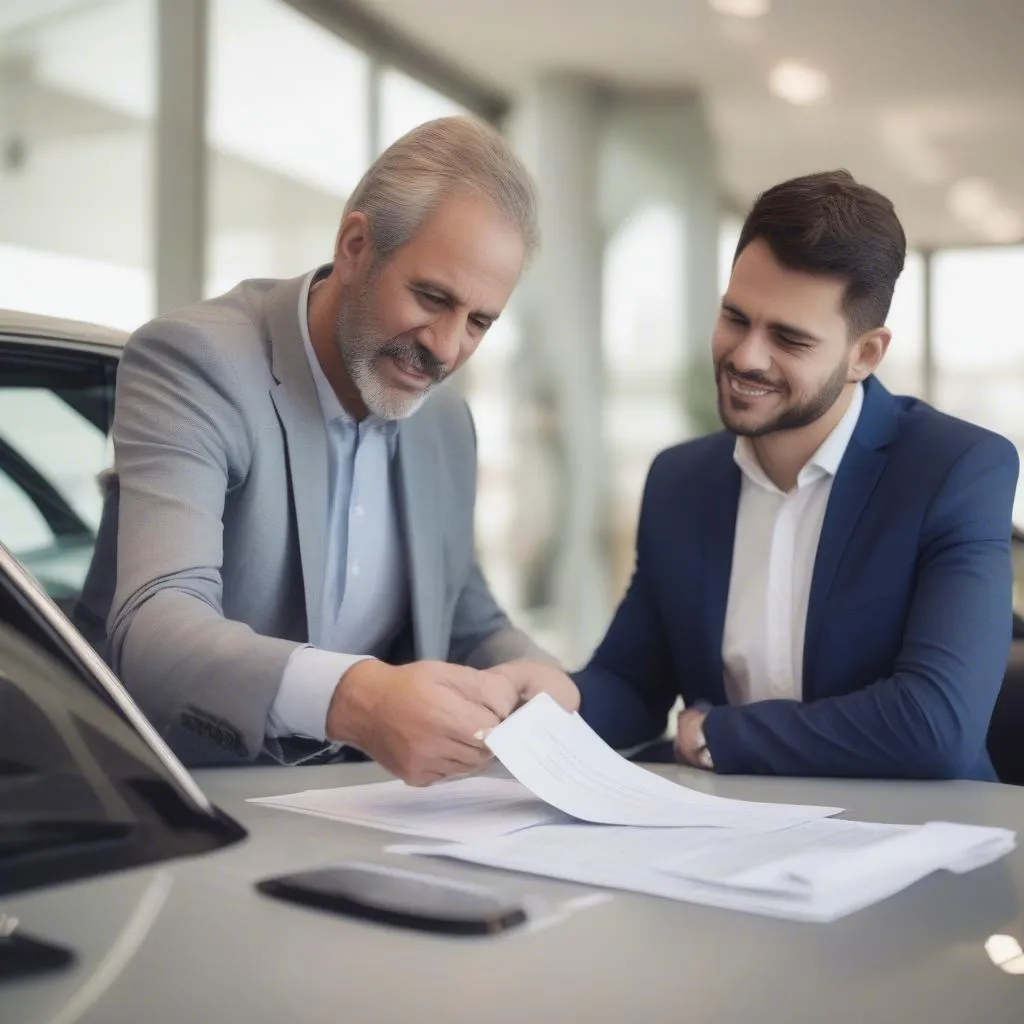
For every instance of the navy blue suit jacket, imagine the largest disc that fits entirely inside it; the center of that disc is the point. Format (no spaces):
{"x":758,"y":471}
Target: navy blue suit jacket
{"x":908,"y":623}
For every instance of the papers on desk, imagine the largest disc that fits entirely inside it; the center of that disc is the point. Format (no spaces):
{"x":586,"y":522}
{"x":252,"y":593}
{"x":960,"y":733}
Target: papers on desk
{"x":818,"y":871}
{"x":557,"y":756}
{"x":461,"y":811}
{"x":647,"y":834}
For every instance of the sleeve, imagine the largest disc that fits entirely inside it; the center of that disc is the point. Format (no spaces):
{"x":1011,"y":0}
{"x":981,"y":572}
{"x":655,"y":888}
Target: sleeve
{"x":181,"y":444}
{"x":307,"y":686}
{"x":929,"y":719}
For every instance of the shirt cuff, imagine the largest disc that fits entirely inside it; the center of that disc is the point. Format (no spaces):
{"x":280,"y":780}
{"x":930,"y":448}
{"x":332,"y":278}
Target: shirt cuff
{"x":310,"y":678}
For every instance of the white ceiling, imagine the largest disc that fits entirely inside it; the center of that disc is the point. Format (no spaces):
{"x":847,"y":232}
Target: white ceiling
{"x":924,"y":93}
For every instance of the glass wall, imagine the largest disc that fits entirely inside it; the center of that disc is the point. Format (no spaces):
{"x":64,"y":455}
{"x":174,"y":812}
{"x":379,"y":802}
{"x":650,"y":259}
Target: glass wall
{"x":903,"y":369}
{"x":290,"y":129}
{"x":643,"y":320}
{"x":406,"y":103}
{"x":77,"y":105}
{"x":284,"y":149}
{"x":979,"y":341}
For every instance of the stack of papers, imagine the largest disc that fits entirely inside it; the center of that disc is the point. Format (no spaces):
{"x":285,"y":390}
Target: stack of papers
{"x":581,"y":812}
{"x":460,"y":811}
{"x":819,"y":871}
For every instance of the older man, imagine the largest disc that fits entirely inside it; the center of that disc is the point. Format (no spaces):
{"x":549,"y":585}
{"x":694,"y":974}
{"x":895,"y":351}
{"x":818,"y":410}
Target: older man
{"x":295,"y":567}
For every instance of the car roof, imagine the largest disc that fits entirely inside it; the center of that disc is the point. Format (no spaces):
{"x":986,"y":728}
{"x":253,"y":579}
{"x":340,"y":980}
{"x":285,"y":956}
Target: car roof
{"x":52,"y":328}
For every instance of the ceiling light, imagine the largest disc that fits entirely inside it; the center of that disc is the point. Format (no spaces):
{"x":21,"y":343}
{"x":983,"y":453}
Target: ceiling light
{"x":971,"y":199}
{"x":798,"y":83}
{"x":741,"y":8}
{"x":1005,"y":952}
{"x":975,"y":202}
{"x":1003,"y":225}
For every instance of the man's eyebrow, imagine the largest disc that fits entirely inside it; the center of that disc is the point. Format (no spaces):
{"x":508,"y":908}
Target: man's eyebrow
{"x":425,"y":284}
{"x":775,"y":325}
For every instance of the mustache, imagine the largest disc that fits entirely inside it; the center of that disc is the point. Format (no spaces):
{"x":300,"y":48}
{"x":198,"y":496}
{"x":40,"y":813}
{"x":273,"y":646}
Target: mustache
{"x":753,"y":378}
{"x":419,"y":357}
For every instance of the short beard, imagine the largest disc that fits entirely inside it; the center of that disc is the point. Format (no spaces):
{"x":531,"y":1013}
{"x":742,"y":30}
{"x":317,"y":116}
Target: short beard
{"x":361,"y":346}
{"x":796,"y":416}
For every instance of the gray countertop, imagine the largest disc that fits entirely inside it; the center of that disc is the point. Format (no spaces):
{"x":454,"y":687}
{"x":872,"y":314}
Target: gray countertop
{"x":192,"y":941}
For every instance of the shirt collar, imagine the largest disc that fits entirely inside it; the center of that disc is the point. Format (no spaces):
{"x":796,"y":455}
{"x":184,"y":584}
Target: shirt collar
{"x":824,"y":462}
{"x":330,"y":406}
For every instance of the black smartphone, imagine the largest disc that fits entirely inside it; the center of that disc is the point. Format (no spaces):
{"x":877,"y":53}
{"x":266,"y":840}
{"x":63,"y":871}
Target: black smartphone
{"x":398,"y":897}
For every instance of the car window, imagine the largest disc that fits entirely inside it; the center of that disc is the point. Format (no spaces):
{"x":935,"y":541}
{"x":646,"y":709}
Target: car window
{"x":56,"y":407}
{"x":22,"y":526}
{"x":58,"y":440}
{"x":85,"y":788}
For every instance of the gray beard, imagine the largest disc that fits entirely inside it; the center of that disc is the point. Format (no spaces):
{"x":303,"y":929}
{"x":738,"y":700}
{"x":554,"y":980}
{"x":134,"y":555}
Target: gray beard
{"x":386,"y":402}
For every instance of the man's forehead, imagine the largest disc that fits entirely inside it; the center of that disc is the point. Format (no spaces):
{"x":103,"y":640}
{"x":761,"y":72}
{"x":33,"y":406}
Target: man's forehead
{"x":769,"y":288}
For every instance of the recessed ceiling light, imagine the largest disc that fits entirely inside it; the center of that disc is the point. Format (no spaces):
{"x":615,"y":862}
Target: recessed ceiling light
{"x":741,"y":8}
{"x":1003,"y":225}
{"x":1005,"y":952}
{"x":971,"y":199}
{"x":976,"y":202}
{"x":798,"y":83}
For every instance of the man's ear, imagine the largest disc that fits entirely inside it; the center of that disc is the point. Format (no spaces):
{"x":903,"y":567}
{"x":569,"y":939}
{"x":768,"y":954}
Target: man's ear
{"x":868,"y":351}
{"x":353,"y":246}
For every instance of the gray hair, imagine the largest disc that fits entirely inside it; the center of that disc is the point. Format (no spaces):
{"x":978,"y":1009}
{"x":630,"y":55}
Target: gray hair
{"x":414,"y":175}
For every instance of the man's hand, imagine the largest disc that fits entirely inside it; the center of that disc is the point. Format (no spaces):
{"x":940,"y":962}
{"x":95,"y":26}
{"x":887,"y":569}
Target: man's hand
{"x":419,"y":721}
{"x":533,"y":677}
{"x":690,"y":746}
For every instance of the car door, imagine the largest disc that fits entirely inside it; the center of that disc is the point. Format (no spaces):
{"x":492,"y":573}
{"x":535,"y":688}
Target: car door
{"x":56,"y":408}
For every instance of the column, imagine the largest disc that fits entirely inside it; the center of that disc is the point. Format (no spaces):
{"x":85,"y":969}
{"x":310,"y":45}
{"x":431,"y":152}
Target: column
{"x":557,"y":129}
{"x":180,"y":156}
{"x":660,"y":146}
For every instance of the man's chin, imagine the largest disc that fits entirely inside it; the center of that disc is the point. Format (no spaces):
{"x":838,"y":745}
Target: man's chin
{"x":393,"y":403}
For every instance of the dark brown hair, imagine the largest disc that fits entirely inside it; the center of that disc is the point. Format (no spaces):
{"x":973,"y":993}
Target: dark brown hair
{"x":830,"y":224}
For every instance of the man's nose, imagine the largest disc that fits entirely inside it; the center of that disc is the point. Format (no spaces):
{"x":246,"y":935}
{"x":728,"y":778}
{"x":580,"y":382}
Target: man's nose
{"x":443,"y":339}
{"x":753,"y":354}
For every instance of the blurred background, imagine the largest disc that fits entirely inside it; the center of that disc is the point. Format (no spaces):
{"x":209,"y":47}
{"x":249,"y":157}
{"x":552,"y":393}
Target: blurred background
{"x":153,"y":152}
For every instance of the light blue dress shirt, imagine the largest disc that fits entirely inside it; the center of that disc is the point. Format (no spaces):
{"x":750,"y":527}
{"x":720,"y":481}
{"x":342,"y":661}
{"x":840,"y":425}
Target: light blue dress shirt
{"x":366,"y":584}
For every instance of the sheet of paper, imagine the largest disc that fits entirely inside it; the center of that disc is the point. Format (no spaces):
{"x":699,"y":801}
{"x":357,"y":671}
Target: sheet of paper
{"x":461,"y":810}
{"x":773,"y":861}
{"x":557,"y":756}
{"x":873,"y":863}
{"x":640,"y":860}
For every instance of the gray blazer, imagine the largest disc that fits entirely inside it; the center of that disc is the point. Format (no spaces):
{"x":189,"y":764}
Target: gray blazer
{"x":219,"y":527}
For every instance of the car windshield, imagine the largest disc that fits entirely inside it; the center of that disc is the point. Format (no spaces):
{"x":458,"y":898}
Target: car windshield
{"x":85,"y":786}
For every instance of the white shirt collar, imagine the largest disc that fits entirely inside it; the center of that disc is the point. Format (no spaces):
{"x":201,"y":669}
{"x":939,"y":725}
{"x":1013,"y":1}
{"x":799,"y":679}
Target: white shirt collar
{"x":330,"y":406}
{"x":824,"y":462}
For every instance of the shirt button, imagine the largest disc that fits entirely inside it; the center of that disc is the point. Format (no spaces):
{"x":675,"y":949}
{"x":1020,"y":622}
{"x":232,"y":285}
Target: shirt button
{"x":358,"y":510}
{"x":355,"y":568}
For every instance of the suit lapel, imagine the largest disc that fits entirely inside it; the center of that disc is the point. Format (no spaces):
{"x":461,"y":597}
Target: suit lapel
{"x":295,"y":398}
{"x":858,"y":474}
{"x":419,"y":470}
{"x":719,"y":485}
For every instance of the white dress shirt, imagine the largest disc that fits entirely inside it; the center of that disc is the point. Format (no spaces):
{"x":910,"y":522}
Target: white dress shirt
{"x":365,"y":586}
{"x":772,"y":564}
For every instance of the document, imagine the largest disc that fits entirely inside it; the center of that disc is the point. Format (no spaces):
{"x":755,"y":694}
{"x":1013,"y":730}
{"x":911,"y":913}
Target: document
{"x":462,"y":810}
{"x":558,"y":757}
{"x":818,"y":871}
